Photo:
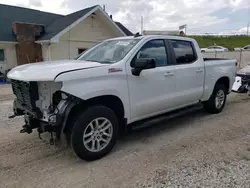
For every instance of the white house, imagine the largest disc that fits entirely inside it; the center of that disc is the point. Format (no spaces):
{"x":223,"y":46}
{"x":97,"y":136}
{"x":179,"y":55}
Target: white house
{"x":28,"y":36}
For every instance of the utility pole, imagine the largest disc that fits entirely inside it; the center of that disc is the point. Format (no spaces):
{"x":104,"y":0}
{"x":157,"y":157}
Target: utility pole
{"x":247,"y":28}
{"x":248,"y":18}
{"x":141,"y":25}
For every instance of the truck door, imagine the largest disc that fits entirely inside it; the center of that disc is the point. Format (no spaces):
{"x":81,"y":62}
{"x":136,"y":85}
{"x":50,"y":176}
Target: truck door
{"x":151,"y":92}
{"x":189,"y":76}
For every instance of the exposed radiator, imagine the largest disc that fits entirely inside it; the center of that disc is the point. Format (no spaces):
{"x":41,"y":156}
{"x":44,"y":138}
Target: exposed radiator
{"x":26,"y":94}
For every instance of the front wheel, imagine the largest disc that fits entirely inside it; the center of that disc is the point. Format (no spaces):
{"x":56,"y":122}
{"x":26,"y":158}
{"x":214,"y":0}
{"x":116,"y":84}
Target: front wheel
{"x":217,"y":101}
{"x":94,"y":133}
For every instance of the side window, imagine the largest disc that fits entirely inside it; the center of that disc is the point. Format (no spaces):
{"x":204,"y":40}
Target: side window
{"x":184,"y":51}
{"x":154,"y":49}
{"x":210,"y":47}
{"x":2,"y":55}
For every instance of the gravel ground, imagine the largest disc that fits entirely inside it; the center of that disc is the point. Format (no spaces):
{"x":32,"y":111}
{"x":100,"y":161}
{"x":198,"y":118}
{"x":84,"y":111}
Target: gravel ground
{"x":193,"y":150}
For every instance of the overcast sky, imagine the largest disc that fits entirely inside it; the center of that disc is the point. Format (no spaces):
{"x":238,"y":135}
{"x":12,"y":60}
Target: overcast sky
{"x":211,"y":16}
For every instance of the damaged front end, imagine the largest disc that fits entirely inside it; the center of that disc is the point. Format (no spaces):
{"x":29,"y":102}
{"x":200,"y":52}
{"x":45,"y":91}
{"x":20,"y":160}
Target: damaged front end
{"x":242,"y":83}
{"x":43,"y":106}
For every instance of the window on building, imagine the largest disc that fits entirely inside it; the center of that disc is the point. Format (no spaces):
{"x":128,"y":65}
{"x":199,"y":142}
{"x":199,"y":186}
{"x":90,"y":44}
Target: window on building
{"x":81,"y":50}
{"x":2,"y":55}
{"x":184,"y":51}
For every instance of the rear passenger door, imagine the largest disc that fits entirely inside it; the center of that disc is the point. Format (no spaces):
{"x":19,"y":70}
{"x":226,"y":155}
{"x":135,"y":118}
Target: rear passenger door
{"x":189,"y":70}
{"x":210,"y":49}
{"x":218,"y":49}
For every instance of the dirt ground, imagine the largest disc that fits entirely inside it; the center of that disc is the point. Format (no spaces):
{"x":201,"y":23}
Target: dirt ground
{"x":192,"y":150}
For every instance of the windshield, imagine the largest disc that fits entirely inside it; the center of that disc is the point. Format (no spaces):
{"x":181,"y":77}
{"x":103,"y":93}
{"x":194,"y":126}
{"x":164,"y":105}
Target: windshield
{"x":110,"y":51}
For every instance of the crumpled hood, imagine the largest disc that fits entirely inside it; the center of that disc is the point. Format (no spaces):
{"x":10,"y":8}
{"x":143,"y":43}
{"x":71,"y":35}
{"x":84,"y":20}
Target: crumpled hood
{"x":48,"y":70}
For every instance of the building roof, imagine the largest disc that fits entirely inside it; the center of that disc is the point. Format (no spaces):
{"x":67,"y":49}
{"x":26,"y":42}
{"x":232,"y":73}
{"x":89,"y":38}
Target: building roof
{"x":54,"y":23}
{"x":124,"y":29}
{"x":59,"y":24}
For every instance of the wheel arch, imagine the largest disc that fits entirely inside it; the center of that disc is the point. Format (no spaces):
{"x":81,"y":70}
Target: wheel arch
{"x":111,"y":101}
{"x":224,"y":81}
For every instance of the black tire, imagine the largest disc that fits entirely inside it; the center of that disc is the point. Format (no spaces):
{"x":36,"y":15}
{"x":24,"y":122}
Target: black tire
{"x":81,"y":123}
{"x":210,"y":105}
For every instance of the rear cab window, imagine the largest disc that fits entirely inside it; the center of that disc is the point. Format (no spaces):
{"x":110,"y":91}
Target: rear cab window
{"x":184,"y":51}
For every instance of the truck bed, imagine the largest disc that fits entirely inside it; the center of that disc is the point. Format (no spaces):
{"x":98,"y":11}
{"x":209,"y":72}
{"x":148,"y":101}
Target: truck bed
{"x":214,"y":59}
{"x":214,"y":68}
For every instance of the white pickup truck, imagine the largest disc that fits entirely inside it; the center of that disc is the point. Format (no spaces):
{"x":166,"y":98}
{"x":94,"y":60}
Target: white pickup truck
{"x":90,"y":100}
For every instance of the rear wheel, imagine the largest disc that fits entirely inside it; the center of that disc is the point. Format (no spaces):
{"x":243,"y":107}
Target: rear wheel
{"x":94,"y":133}
{"x":217,"y":101}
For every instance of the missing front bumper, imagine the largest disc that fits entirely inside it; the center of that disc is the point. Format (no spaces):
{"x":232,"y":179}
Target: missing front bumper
{"x":241,"y":84}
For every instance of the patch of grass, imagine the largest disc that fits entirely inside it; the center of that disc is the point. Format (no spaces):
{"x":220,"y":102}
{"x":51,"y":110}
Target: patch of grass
{"x":229,"y":42}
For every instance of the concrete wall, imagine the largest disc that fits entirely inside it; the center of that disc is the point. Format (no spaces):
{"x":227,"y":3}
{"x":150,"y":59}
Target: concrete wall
{"x":83,"y":35}
{"x":10,"y":56}
{"x":243,"y":58}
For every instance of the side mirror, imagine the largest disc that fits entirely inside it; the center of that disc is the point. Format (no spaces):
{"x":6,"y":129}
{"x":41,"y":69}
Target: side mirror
{"x":141,"y":64}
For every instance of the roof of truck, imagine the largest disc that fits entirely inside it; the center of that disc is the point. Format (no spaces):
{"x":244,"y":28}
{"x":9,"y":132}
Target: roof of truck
{"x":155,"y":36}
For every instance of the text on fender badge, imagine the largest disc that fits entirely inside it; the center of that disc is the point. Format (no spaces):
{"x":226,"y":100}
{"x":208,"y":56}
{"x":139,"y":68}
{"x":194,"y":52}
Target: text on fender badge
{"x":114,"y":70}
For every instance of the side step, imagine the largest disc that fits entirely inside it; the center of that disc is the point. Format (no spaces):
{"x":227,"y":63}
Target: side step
{"x":163,"y":117}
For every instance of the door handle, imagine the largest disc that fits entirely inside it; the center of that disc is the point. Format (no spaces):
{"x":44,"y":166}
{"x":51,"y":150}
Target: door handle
{"x":199,"y":70}
{"x":168,"y":74}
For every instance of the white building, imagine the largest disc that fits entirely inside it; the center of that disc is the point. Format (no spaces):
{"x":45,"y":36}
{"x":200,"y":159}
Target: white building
{"x":54,"y":36}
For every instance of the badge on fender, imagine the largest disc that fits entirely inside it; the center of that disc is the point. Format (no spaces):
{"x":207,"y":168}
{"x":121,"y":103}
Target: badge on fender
{"x":114,"y":70}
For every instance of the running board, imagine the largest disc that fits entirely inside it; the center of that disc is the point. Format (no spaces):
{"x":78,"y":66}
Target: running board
{"x":163,"y":117}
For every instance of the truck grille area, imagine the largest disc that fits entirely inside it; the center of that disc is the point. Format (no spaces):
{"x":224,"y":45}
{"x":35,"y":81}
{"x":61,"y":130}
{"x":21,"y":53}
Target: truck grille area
{"x":245,"y":79}
{"x":26,"y":94}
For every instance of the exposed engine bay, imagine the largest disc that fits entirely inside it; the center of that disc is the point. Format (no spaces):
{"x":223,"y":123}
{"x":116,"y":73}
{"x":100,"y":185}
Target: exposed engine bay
{"x":242,"y":81}
{"x":40,"y":103}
